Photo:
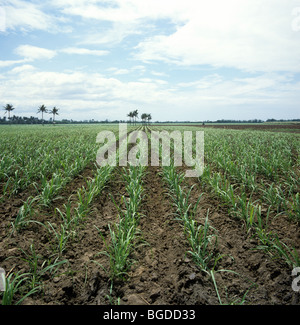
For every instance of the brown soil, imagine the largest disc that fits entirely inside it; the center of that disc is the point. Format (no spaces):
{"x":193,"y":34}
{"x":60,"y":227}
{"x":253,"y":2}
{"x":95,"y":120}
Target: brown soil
{"x":163,"y":272}
{"x":14,"y":202}
{"x":268,"y":280}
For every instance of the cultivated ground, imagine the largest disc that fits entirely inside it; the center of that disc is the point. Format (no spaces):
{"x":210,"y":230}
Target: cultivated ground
{"x":162,"y":271}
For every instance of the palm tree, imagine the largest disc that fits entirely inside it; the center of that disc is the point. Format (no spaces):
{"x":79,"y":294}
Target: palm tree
{"x":149,"y":117}
{"x":54,"y":111}
{"x":42,"y":109}
{"x":8,"y":108}
{"x":144,"y":117}
{"x":130,"y":115}
{"x":135,"y":115}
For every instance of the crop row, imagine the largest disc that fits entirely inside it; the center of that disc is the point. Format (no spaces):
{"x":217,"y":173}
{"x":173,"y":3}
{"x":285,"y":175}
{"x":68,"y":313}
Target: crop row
{"x":59,"y":235}
{"x":254,"y":213}
{"x":122,"y":234}
{"x":69,"y":220}
{"x":43,"y":160}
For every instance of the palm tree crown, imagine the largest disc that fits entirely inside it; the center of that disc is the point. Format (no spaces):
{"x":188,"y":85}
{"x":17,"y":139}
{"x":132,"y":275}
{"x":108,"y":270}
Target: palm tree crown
{"x":8,"y":108}
{"x":42,"y":109}
{"x":130,"y":115}
{"x":135,"y":115}
{"x":149,"y":117}
{"x":54,"y":111}
{"x":144,"y":117}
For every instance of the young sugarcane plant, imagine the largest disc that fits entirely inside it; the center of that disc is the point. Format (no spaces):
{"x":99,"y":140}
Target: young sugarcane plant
{"x":203,"y":242}
{"x":51,"y":188}
{"x":118,"y":249}
{"x":24,"y":215}
{"x":39,"y":267}
{"x":13,"y":284}
{"x":61,"y":237}
{"x":271,"y":244}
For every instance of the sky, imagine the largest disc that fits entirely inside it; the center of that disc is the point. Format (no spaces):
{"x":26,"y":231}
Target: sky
{"x":178,"y":60}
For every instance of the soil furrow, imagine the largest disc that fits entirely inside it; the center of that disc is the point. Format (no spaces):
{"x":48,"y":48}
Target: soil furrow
{"x":163,"y":272}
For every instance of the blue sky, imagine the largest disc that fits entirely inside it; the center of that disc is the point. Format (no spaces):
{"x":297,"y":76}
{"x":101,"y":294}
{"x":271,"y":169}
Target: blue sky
{"x":178,"y":60}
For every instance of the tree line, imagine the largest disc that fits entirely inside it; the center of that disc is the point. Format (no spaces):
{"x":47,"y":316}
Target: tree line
{"x":42,"y":109}
{"x":145,"y":117}
{"x":133,"y":115}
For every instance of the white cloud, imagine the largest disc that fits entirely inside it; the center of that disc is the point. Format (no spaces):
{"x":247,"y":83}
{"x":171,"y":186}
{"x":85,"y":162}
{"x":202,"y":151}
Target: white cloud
{"x":82,"y":95}
{"x":27,"y":16}
{"x":159,"y":74}
{"x":31,"y":53}
{"x":153,"y":81}
{"x":251,"y":35}
{"x":8,"y":63}
{"x":22,"y":69}
{"x":83,"y":51}
{"x":126,"y":17}
{"x":205,"y":82}
{"x":117,"y":71}
{"x":125,"y":11}
{"x":112,"y":35}
{"x":260,"y":36}
{"x":2,"y":20}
